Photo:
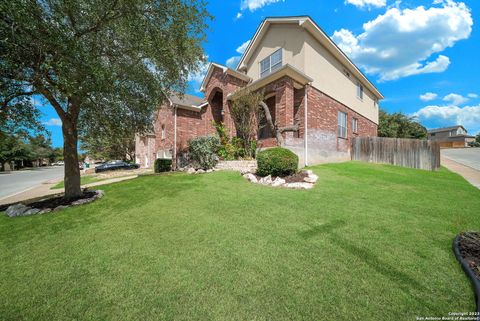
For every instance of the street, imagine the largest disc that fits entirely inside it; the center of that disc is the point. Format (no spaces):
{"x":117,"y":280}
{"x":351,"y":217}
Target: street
{"x":18,"y":181}
{"x":466,"y":156}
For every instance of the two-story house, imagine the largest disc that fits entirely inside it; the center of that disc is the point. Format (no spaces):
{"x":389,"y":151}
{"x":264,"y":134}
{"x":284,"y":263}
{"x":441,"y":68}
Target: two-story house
{"x":454,"y":136}
{"x":306,"y":80}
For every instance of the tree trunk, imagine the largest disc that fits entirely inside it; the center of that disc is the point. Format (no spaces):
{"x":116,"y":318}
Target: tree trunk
{"x":270,"y":123}
{"x":70,"y":157}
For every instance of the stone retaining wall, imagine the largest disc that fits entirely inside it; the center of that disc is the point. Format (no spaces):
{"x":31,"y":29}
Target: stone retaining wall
{"x":238,"y":165}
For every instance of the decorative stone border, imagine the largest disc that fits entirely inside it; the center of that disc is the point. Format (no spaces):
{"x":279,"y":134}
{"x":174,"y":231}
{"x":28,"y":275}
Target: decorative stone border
{"x":471,"y":275}
{"x":308,"y":182}
{"x":238,"y":165}
{"x":25,"y":210}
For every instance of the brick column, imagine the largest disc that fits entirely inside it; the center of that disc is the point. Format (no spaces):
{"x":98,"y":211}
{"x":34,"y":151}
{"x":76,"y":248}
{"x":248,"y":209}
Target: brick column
{"x":284,"y":94}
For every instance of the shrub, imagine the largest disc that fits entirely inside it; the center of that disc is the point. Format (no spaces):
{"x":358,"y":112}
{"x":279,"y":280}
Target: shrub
{"x":276,"y":162}
{"x":162,"y":165}
{"x":203,"y":151}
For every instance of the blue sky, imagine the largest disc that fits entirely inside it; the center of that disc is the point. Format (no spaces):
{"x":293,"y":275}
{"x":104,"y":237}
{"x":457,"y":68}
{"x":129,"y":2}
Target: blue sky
{"x":422,"y":55}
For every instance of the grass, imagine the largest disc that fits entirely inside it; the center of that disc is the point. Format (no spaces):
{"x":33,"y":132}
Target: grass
{"x":369,"y":242}
{"x":83,"y":180}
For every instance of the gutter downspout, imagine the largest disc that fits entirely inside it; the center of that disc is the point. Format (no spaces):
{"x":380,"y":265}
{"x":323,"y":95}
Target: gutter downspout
{"x":305,"y":134}
{"x":175,"y":135}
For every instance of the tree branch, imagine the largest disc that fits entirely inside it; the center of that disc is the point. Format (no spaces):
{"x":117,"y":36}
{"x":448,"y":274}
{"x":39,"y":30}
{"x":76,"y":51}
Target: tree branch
{"x":53,"y":101}
{"x":268,"y":117}
{"x":100,"y":22}
{"x":16,"y":95}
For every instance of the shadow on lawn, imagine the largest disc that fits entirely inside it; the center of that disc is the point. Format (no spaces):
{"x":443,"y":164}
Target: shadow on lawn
{"x":404,"y":281}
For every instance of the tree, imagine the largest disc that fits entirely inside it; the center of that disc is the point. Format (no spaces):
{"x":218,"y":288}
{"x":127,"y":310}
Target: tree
{"x":398,"y":125}
{"x":91,"y":58}
{"x":112,"y":139}
{"x":246,"y":116}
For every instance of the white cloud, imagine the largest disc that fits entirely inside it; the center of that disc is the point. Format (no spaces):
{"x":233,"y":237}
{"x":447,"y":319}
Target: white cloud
{"x":232,"y":62}
{"x":441,"y":116}
{"x":402,"y":43}
{"x":243,"y":47}
{"x":239,"y":15}
{"x":367,"y":3}
{"x":428,"y":96}
{"x":253,"y":5}
{"x":53,"y":122}
{"x":472,"y":95}
{"x":455,"y":99}
{"x":196,"y":78}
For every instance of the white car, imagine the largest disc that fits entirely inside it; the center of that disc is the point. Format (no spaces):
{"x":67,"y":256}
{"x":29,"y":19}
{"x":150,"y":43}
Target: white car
{"x":59,"y":163}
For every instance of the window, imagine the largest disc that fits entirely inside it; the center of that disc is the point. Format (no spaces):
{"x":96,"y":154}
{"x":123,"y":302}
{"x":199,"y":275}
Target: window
{"x":163,"y":131}
{"x":354,"y":125}
{"x":375,"y":103}
{"x":271,"y":63}
{"x":359,"y":90}
{"x":342,"y":125}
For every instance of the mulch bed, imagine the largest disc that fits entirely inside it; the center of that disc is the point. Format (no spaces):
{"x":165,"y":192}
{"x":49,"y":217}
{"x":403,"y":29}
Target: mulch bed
{"x":295,"y":178}
{"x":52,"y":202}
{"x":469,"y":247}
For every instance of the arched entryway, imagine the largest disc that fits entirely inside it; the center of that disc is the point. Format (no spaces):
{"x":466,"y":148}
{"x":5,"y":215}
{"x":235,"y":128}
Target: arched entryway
{"x":216,"y":103}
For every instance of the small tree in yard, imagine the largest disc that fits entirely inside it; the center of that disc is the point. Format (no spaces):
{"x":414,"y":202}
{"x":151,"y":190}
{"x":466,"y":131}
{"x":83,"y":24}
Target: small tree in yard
{"x":246,"y":114}
{"x":94,"y":59}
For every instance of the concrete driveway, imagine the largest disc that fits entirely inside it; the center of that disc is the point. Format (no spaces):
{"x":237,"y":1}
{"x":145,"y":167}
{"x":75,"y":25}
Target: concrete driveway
{"x":18,"y":181}
{"x":466,"y":156}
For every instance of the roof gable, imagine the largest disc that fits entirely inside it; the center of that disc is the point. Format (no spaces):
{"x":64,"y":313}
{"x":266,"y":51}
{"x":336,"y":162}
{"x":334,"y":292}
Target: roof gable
{"x":308,"y":24}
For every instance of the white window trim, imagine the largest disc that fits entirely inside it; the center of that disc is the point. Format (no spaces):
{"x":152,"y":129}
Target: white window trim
{"x":271,"y":67}
{"x":342,"y":131}
{"x":355,"y":125}
{"x":360,"y":90}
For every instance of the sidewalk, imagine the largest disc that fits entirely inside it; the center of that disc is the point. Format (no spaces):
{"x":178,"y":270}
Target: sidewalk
{"x":470,"y":174}
{"x":45,"y":189}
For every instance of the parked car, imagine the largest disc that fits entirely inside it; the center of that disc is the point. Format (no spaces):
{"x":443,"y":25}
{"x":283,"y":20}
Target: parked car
{"x":59,"y":163}
{"x":115,"y":165}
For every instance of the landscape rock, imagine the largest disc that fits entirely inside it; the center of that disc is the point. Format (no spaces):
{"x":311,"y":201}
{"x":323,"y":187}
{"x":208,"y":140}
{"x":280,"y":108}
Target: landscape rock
{"x":299,"y":185}
{"x":31,"y":211}
{"x":16,"y":210}
{"x":100,"y":193}
{"x":83,"y":201}
{"x":267,"y":180}
{"x":311,"y":178}
{"x":200,"y":171}
{"x":251,"y":178}
{"x":278,"y":182}
{"x":244,"y":171}
{"x":60,"y":207}
{"x":45,"y":210}
{"x":308,"y":172}
{"x":191,"y":170}
{"x":209,"y":170}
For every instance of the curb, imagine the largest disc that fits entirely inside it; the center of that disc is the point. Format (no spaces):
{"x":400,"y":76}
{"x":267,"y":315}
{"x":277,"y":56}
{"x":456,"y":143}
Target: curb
{"x":471,"y":275}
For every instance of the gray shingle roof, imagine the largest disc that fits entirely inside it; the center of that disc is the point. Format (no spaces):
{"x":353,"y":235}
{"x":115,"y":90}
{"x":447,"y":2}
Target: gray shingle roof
{"x":185,"y":100}
{"x":445,"y":129}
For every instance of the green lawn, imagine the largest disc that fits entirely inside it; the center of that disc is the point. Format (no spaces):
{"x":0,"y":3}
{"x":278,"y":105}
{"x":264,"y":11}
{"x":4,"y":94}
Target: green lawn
{"x":369,"y":242}
{"x":83,"y":180}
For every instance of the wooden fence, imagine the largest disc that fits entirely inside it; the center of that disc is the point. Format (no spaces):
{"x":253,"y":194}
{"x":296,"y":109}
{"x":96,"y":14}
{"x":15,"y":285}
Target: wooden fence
{"x":413,"y":153}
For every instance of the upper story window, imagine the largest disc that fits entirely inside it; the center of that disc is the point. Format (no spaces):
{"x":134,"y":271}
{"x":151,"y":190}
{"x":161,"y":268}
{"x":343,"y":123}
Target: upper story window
{"x":342,"y":124}
{"x":460,"y":131}
{"x":359,"y":90}
{"x":163,"y":131}
{"x":375,"y":103}
{"x":271,"y":63}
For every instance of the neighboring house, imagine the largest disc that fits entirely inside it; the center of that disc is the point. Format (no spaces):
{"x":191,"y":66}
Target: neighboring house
{"x":455,"y":136}
{"x":306,"y":79}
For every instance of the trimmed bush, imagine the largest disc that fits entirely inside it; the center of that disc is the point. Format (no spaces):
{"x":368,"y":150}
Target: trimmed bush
{"x":203,"y":151}
{"x":277,"y":162}
{"x":162,"y":165}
